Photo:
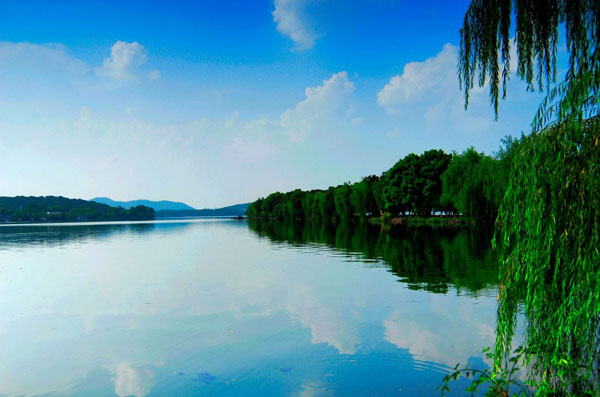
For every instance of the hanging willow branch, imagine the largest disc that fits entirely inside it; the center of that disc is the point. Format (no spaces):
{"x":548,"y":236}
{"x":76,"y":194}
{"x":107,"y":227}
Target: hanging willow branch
{"x":549,"y":219}
{"x":485,"y":50}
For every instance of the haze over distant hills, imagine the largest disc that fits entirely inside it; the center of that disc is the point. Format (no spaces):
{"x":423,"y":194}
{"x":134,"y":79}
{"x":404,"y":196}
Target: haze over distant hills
{"x":174,"y":209}
{"x":62,"y":209}
{"x":156,"y":205}
{"x":232,"y":210}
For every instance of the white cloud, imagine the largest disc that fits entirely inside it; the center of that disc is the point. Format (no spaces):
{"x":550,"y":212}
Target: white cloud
{"x":32,"y":70}
{"x":325,"y":107}
{"x":292,"y":21}
{"x":419,"y":80}
{"x":218,"y":152}
{"x":124,"y":60}
{"x":426,"y":96}
{"x":41,"y":63}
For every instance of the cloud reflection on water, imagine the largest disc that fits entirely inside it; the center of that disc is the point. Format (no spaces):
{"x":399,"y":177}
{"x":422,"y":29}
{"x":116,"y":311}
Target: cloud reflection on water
{"x":131,"y":381}
{"x":212,"y":298}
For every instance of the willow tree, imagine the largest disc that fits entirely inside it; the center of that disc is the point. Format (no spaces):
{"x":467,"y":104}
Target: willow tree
{"x":549,"y":220}
{"x":486,"y":42}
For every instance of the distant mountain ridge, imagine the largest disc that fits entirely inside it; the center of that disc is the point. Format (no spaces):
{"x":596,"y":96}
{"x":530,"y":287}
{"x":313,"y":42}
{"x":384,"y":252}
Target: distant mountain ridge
{"x":232,"y":210}
{"x":175,"y":209}
{"x":156,"y":205}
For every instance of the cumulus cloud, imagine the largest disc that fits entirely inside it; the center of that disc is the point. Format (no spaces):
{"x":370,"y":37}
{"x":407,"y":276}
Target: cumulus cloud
{"x":125,"y":58}
{"x":419,"y":80}
{"x":292,"y":21}
{"x":324,"y":107}
{"x":426,"y":96}
{"x":36,"y":70}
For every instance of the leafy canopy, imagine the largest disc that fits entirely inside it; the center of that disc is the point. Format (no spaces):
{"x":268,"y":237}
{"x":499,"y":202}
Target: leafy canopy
{"x":485,"y":52}
{"x":549,"y":222}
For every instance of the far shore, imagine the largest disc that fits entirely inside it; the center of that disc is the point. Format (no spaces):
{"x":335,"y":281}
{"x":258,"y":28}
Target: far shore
{"x":83,"y":222}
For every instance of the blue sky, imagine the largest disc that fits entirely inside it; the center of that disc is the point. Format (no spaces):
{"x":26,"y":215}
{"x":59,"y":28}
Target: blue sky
{"x":215,"y":103}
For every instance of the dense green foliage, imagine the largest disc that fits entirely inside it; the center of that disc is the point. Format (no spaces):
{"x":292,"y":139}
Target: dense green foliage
{"x":474,"y":183}
{"x":426,"y":258}
{"x":485,"y":51}
{"x":470,"y":183}
{"x":60,"y":209}
{"x":414,"y":183}
{"x":550,"y":227}
{"x":549,"y":220}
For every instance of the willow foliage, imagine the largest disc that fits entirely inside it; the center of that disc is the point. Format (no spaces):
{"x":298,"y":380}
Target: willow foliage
{"x":549,"y":220}
{"x":485,"y":52}
{"x":550,"y":228}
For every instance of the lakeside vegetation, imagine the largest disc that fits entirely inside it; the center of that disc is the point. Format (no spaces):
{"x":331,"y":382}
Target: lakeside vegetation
{"x":549,"y":217}
{"x":470,"y":184}
{"x":543,"y":190}
{"x":426,"y":258}
{"x":62,"y":209}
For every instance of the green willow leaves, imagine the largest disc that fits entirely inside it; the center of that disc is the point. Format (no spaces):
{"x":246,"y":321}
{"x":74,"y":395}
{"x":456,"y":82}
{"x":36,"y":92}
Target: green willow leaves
{"x":486,"y":43}
{"x":549,"y":220}
{"x":550,"y":231}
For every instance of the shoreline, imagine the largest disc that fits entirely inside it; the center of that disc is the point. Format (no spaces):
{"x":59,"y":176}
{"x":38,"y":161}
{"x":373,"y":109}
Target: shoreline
{"x":387,"y":221}
{"x":422,"y":221}
{"x":108,"y":222}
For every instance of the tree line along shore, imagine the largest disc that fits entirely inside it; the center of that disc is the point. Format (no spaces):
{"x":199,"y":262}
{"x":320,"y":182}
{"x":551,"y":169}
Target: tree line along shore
{"x":434,"y":187}
{"x":62,"y":209}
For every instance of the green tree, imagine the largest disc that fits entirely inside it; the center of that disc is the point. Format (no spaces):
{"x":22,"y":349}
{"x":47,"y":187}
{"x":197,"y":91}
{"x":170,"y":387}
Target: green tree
{"x":59,"y":209}
{"x":485,"y":52}
{"x":293,"y":204}
{"x":358,"y":198}
{"x":326,"y":203}
{"x":341,"y":198}
{"x":308,"y":204}
{"x":432,"y":165}
{"x":549,"y":220}
{"x":398,"y":184}
{"x":255,"y":209}
{"x":474,"y":184}
{"x":414,"y":183}
{"x":362,"y":196}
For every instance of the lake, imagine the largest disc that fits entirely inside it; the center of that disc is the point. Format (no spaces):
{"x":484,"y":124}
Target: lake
{"x":222,"y":307}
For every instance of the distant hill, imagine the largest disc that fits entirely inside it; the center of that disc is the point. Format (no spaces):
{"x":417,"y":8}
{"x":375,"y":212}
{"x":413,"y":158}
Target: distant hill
{"x":232,"y":210}
{"x":156,"y":205}
{"x":62,"y":209}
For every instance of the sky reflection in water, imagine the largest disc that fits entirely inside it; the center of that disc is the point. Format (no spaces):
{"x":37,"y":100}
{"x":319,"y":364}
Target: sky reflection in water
{"x":220,"y":307}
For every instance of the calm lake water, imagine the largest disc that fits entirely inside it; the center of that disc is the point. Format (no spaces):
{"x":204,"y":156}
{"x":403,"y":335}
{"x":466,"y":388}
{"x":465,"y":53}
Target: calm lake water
{"x":223,"y":307}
